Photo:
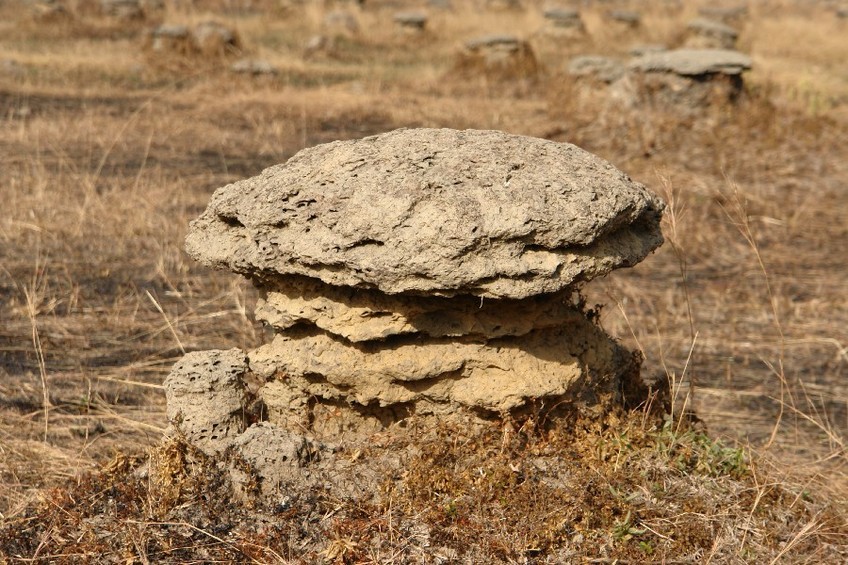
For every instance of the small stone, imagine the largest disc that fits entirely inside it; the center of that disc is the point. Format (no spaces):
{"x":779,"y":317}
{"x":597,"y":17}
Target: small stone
{"x":563,"y":23}
{"x":562,"y":16}
{"x":205,"y":395}
{"x":685,"y":79}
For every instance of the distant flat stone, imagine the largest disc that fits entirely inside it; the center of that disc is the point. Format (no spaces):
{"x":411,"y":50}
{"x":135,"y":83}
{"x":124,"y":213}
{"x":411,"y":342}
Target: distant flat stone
{"x":561,"y":14}
{"x":487,"y":41}
{"x":693,"y":62}
{"x":605,"y":69}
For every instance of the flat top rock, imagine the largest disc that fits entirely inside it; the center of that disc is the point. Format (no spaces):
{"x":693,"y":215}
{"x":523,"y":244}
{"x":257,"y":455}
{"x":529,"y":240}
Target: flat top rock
{"x":560,"y":13}
{"x":693,"y":62}
{"x":492,"y":41}
{"x":703,"y":25}
{"x":433,"y":211}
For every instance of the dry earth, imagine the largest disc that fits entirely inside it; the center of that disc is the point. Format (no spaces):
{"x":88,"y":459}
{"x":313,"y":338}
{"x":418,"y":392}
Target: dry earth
{"x":107,"y":151}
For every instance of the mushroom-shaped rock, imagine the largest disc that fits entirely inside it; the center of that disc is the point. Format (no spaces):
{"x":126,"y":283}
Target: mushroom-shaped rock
{"x":418,"y":273}
{"x":604,"y":69}
{"x":563,"y":23}
{"x":497,"y":56}
{"x":687,"y":79}
{"x":708,"y":34}
{"x":433,"y":211}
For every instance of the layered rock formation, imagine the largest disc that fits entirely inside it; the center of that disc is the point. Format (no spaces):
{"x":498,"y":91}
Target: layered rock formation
{"x":420,"y":271}
{"x":563,"y":23}
{"x":684,"y":79}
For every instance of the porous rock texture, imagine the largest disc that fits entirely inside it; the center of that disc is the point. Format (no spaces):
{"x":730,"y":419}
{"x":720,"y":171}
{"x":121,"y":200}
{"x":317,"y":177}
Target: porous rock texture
{"x":206,"y":397}
{"x":687,"y":80}
{"x":429,"y":211}
{"x":421,"y":273}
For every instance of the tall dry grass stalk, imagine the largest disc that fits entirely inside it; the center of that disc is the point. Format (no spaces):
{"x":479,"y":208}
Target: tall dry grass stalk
{"x":34,"y":295}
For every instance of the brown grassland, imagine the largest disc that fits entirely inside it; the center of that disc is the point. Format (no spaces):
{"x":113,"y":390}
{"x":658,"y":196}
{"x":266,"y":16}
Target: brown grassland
{"x":108,"y":150}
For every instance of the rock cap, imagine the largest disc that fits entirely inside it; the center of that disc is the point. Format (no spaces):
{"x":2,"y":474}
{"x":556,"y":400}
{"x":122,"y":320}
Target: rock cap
{"x":693,"y":62}
{"x":433,"y":212}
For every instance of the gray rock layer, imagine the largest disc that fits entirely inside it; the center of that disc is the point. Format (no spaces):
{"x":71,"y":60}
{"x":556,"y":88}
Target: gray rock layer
{"x":433,"y":211}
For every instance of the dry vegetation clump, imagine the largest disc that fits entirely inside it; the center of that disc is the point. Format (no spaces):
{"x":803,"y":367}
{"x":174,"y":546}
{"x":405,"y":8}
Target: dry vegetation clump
{"x":104,"y":160}
{"x":629,"y":487}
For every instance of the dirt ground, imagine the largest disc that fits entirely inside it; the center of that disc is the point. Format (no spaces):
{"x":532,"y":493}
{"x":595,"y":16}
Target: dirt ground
{"x":108,"y":148}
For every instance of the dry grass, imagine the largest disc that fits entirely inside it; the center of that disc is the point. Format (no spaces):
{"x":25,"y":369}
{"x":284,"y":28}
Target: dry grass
{"x":105,"y":159}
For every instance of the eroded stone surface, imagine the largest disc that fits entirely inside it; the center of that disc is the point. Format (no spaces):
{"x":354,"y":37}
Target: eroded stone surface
{"x":359,"y":315}
{"x":205,"y":395}
{"x":497,"y":375}
{"x":431,"y":211}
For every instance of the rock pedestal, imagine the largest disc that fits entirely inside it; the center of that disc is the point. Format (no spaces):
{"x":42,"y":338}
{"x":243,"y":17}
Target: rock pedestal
{"x":418,"y":272}
{"x":499,"y":56}
{"x":702,"y":33}
{"x":563,"y":23}
{"x":684,"y":79}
